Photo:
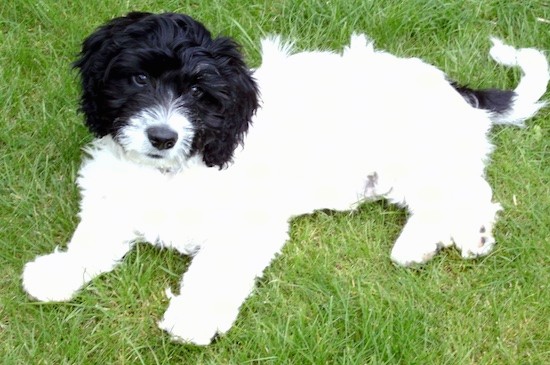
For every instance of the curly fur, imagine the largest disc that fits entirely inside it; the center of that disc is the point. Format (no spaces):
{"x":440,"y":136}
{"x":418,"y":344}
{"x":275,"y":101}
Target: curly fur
{"x":178,"y":53}
{"x":334,"y":130}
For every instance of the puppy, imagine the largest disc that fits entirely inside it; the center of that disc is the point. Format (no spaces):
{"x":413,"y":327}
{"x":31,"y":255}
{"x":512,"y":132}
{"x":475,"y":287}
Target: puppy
{"x":170,"y":106}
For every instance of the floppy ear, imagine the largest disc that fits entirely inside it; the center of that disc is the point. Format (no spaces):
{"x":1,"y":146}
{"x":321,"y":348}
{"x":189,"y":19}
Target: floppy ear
{"x":97,"y":51}
{"x":221,"y":142}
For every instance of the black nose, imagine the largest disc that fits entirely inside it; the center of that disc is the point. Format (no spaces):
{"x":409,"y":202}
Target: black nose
{"x":162,"y":138}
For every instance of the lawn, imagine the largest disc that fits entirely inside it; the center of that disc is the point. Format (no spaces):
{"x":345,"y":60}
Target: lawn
{"x":333,"y":296}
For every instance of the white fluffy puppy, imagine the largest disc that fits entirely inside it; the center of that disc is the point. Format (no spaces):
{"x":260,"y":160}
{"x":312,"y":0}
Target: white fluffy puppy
{"x":333,"y":130}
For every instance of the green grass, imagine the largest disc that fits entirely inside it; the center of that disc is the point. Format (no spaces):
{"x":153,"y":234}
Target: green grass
{"x":333,"y":296}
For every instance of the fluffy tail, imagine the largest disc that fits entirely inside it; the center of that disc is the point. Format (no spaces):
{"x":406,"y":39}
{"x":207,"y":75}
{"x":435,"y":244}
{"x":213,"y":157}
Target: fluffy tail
{"x":507,"y":106}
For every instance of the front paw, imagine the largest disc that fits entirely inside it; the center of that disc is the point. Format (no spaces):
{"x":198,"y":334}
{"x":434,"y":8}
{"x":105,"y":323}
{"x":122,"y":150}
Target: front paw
{"x":194,"y":322}
{"x":53,"y":278}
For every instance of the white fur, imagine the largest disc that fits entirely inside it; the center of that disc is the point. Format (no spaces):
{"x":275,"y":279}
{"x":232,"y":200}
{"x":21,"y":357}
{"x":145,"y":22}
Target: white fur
{"x":137,"y":145}
{"x":333,"y":131}
{"x":532,"y":85}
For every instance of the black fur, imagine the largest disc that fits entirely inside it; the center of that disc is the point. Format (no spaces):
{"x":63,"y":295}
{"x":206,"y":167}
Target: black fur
{"x":494,"y":100}
{"x":179,"y":57}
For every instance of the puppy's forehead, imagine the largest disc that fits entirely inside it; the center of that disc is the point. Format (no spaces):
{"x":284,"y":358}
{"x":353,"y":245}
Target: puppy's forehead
{"x":160,"y":60}
{"x":161,"y":42}
{"x":170,"y":31}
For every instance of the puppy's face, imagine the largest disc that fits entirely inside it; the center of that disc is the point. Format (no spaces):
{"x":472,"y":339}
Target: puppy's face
{"x":165,"y":90}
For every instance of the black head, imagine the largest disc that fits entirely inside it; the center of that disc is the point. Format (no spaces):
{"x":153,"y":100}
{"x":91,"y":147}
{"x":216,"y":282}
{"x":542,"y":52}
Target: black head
{"x":165,"y":90}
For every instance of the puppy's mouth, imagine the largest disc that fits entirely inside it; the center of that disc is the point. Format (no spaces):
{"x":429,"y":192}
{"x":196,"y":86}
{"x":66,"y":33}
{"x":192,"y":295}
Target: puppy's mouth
{"x":155,"y":156}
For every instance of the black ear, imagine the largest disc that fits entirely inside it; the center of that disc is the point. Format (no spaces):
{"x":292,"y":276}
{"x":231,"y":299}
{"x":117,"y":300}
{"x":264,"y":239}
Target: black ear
{"x":97,"y":51}
{"x":221,"y":142}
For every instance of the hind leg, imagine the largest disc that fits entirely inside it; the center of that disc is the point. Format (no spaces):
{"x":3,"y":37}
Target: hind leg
{"x":419,"y":240}
{"x":441,"y":217}
{"x":473,"y":221}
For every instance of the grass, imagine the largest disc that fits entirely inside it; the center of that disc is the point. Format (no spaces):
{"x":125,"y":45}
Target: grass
{"x":333,"y":296}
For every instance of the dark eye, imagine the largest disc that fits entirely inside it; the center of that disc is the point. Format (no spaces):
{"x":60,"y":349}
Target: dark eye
{"x":196,"y":91}
{"x":140,"y":80}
